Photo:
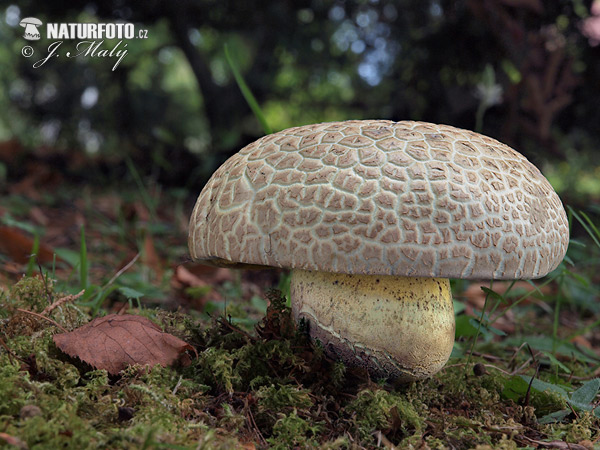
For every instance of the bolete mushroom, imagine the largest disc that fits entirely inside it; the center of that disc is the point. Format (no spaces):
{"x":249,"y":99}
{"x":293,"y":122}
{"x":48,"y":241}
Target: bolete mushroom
{"x":373,"y":217}
{"x":30,"y":24}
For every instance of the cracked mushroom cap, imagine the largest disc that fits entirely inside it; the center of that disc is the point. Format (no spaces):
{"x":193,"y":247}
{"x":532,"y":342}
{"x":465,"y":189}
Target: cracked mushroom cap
{"x":381,"y":198}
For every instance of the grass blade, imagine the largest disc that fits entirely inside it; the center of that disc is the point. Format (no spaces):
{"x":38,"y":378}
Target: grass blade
{"x":587,"y":224}
{"x":147,"y":199}
{"x":34,"y":251}
{"x":247,"y":93}
{"x":83,"y":261}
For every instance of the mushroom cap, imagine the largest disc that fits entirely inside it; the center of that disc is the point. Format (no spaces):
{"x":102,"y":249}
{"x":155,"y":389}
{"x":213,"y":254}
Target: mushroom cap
{"x":381,"y":198}
{"x":30,"y":21}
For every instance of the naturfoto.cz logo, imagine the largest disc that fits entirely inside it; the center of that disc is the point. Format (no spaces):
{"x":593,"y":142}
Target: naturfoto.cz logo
{"x":91,"y":37}
{"x":31,"y":25}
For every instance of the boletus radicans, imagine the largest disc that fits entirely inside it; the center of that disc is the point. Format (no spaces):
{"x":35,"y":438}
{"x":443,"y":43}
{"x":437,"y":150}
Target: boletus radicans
{"x":373,"y":217}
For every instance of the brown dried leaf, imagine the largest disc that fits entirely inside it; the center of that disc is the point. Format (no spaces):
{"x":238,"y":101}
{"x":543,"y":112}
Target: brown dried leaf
{"x":13,"y":440}
{"x":18,"y":246}
{"x":150,"y":256}
{"x":114,"y":342}
{"x":199,"y":274}
{"x":187,"y":278}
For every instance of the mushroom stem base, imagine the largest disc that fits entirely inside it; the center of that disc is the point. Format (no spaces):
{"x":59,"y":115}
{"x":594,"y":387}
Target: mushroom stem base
{"x":396,"y":327}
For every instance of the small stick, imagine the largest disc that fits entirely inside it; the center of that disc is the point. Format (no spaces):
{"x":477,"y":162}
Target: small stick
{"x":123,"y":269}
{"x":61,"y":301}
{"x":53,"y":322}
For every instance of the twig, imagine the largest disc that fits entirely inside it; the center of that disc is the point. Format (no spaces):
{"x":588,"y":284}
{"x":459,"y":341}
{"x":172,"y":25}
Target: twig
{"x":527,"y":395}
{"x":253,"y":424}
{"x":53,"y":322}
{"x":45,"y":280}
{"x":572,"y":410}
{"x":123,"y":269}
{"x":176,"y":388}
{"x":522,"y":366}
{"x":9,"y":352}
{"x":235,"y":329}
{"x":61,"y":301}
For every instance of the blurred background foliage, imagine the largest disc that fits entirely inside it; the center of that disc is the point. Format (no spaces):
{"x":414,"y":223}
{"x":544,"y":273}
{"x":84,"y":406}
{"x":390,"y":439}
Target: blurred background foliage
{"x":526,"y":72}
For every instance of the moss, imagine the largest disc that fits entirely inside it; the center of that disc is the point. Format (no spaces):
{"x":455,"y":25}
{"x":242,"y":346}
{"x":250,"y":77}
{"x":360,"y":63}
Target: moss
{"x":271,"y":388}
{"x":12,"y":395}
{"x":30,"y":293}
{"x":503,"y":444}
{"x":275,"y":398}
{"x":377,"y":409}
{"x":581,"y":428}
{"x":293,"y":431}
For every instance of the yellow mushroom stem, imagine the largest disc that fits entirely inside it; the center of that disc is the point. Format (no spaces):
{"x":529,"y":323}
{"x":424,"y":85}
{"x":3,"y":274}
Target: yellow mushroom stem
{"x":400,"y":328}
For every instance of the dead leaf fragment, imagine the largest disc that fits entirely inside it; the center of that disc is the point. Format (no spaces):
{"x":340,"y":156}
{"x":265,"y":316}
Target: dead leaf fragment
{"x":115,"y":341}
{"x":18,"y":246}
{"x":13,"y":440}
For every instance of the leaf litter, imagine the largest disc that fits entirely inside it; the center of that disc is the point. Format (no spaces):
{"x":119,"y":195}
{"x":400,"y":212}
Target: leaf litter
{"x":114,"y":342}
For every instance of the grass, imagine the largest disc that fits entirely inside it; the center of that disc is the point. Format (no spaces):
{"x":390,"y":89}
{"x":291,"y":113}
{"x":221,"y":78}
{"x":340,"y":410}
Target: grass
{"x":523,"y":371}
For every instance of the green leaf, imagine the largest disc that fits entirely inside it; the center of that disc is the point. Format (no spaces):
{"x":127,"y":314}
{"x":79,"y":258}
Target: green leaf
{"x":556,"y":362}
{"x":493,"y":294}
{"x":585,"y":395}
{"x":131,"y":293}
{"x":71,"y":257}
{"x":547,"y":344}
{"x":515,"y":388}
{"x":259,"y":303}
{"x":542,"y":386}
{"x":511,"y":71}
{"x":458,"y":307}
{"x":465,"y":327}
{"x":554,"y":417}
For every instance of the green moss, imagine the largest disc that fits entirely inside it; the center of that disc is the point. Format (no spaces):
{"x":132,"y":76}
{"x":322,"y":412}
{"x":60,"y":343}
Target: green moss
{"x":378,"y":409}
{"x":12,"y":395}
{"x":270,"y":388}
{"x":275,"y":398}
{"x":30,"y":293}
{"x":583,"y":427}
{"x":292,"y":431}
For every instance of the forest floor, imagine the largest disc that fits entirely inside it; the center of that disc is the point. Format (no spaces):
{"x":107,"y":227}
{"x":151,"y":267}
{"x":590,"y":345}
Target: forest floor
{"x":240,"y":374}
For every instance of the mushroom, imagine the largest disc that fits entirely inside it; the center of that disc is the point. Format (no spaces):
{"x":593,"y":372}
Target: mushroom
{"x":373,"y":217}
{"x":30,"y":24}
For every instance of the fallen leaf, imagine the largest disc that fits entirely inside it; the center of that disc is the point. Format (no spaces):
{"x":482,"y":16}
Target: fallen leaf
{"x":210,"y":274}
{"x":150,"y":256}
{"x":582,"y":341}
{"x":18,"y":246}
{"x":14,"y":441}
{"x":187,"y":278}
{"x":205,"y":277}
{"x":114,"y":342}
{"x":39,"y":177}
{"x":38,"y":216}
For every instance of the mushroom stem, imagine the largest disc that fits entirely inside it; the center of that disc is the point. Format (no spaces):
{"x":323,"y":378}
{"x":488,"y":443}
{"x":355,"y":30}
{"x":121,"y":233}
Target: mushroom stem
{"x":396,"y":327}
